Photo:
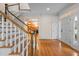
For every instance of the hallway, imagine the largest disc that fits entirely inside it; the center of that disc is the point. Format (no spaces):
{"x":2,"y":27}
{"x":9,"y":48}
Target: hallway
{"x":21,"y":28}
{"x":55,"y":48}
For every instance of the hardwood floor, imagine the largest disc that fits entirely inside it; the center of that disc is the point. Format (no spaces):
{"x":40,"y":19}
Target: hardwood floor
{"x":54,"y":48}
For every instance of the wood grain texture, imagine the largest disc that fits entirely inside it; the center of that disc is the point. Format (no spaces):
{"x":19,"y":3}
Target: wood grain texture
{"x":54,"y":48}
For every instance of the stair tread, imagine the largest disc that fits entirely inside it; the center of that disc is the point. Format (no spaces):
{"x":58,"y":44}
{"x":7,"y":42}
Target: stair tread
{"x":14,"y":53}
{"x":7,"y":46}
{"x":2,"y":40}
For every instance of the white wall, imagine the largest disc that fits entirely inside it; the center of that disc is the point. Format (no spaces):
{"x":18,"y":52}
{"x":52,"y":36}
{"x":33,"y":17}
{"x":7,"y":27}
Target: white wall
{"x":2,"y":7}
{"x":48,"y":27}
{"x":67,"y":26}
{"x":59,"y":29}
{"x":55,"y":27}
{"x":45,"y":27}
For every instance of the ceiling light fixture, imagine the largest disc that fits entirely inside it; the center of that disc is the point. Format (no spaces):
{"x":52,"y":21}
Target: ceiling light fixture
{"x":76,"y":18}
{"x":48,"y":9}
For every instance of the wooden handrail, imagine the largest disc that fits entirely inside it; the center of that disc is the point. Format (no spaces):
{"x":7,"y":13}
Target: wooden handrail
{"x":32,"y":28}
{"x":8,"y":18}
{"x":13,"y":4}
{"x":7,"y":10}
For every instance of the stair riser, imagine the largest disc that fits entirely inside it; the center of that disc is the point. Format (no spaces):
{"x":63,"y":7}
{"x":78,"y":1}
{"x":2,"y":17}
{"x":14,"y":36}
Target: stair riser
{"x":9,"y":34}
{"x":4,"y":51}
{"x":2,"y":43}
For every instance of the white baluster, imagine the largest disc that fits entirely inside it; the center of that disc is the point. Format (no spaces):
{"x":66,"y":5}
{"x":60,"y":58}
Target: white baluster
{"x":2,"y":28}
{"x":27,"y":41}
{"x":19,"y":41}
{"x":7,"y":32}
{"x":24,"y":42}
{"x":15,"y":39}
{"x":23,"y":45}
{"x":10,"y":33}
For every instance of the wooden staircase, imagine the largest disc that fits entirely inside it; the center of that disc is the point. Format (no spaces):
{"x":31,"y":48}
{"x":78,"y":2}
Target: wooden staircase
{"x":14,"y":39}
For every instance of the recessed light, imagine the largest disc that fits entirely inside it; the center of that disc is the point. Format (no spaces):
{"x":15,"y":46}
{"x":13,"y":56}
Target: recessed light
{"x":47,"y":9}
{"x":76,"y":18}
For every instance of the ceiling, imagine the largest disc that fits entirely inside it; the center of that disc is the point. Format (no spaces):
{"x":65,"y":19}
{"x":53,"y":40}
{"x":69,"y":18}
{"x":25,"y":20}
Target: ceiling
{"x":38,"y":9}
{"x":55,"y":8}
